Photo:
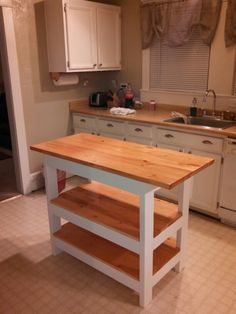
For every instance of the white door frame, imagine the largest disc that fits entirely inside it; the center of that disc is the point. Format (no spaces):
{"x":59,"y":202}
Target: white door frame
{"x":14,"y":97}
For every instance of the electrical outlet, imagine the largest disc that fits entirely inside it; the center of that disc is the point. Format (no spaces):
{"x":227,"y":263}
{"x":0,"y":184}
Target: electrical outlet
{"x":123,"y":85}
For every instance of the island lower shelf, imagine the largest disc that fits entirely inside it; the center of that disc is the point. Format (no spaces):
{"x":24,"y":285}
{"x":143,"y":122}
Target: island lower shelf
{"x":112,"y":254}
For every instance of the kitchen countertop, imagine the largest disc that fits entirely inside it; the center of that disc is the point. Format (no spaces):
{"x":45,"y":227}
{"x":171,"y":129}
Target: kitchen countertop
{"x":157,"y":117}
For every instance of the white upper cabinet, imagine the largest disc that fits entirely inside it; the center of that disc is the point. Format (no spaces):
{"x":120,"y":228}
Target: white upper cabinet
{"x":109,"y":37}
{"x":83,"y":36}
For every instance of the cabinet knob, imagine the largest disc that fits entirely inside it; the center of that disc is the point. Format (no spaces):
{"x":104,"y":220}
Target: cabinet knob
{"x":94,"y":65}
{"x":138,"y":130}
{"x":82,"y":120}
{"x":100,"y":64}
{"x":109,"y":125}
{"x":207,"y":142}
{"x":169,"y":135}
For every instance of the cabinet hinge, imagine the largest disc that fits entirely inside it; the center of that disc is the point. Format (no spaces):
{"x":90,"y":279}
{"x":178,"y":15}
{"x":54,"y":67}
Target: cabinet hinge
{"x":65,"y":7}
{"x":217,"y":204}
{"x":68,"y":64}
{"x":222,"y":160}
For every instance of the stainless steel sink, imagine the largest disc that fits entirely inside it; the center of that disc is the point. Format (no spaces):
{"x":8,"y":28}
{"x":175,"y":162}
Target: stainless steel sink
{"x":212,"y":122}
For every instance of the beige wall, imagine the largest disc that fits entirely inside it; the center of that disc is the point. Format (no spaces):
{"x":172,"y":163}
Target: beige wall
{"x":46,"y":111}
{"x":131,"y":44}
{"x":1,"y":78}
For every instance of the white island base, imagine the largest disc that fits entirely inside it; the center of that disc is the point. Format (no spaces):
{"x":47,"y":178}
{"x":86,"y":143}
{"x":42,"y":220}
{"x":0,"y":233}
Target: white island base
{"x":124,"y":235}
{"x":114,"y":222}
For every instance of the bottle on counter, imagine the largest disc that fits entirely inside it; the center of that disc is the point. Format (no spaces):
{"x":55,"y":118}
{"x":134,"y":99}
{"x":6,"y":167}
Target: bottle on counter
{"x":152,"y":104}
{"x":193,"y":108}
{"x":129,"y":96}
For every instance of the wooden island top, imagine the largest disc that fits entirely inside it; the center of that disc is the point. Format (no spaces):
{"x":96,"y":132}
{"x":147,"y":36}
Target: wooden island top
{"x":160,"y":167}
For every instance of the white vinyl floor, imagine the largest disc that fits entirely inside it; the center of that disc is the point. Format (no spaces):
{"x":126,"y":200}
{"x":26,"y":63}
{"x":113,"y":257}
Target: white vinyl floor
{"x":34,"y":281}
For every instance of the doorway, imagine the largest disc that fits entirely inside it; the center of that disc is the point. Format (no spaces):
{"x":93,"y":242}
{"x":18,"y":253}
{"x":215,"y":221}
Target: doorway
{"x":8,"y":186}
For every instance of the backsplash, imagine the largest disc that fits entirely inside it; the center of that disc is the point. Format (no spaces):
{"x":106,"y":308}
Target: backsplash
{"x":223,"y":102}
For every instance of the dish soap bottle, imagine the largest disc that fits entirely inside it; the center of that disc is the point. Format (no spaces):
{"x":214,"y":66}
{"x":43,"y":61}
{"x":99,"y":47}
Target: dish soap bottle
{"x":193,"y":108}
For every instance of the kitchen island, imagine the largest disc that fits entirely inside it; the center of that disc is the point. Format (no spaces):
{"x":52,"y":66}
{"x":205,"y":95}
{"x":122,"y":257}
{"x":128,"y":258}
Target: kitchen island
{"x":114,"y":222}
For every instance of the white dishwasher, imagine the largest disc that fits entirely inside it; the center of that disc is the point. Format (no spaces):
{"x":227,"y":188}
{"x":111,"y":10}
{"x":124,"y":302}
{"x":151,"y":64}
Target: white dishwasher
{"x":227,"y":210}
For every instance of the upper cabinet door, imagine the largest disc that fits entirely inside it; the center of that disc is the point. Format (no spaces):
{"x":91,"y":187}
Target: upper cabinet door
{"x":81,"y":36}
{"x":109,"y":37}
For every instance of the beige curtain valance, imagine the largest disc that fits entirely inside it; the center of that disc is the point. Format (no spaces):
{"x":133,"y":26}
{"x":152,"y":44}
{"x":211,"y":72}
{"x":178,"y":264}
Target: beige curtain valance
{"x":175,"y":20}
{"x":230,"y":24}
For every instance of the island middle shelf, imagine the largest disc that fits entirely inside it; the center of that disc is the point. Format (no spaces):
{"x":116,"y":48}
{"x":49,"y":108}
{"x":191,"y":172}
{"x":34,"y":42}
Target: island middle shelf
{"x":113,"y":208}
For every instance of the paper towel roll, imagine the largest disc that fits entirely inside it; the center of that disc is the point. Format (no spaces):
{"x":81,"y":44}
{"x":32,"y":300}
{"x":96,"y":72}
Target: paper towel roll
{"x":66,"y":79}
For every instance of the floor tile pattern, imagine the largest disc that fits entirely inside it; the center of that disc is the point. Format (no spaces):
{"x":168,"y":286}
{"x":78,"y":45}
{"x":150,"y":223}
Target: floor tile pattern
{"x":34,"y":281}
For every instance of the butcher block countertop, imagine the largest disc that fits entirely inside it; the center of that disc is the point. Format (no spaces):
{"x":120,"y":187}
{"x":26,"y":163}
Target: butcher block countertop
{"x":158,"y":116}
{"x":160,"y":167}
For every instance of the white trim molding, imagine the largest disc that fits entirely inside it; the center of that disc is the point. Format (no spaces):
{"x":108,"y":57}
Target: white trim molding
{"x":14,"y":99}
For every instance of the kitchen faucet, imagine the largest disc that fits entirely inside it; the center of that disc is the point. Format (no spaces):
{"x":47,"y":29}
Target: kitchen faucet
{"x":214,"y":99}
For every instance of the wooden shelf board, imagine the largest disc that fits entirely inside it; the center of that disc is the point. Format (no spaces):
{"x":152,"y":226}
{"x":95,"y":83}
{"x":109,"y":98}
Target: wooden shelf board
{"x":115,"y":208}
{"x":112,"y":254}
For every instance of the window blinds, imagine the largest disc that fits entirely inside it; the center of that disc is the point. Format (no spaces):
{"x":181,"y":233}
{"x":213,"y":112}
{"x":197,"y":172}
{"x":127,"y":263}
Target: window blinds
{"x":180,"y":68}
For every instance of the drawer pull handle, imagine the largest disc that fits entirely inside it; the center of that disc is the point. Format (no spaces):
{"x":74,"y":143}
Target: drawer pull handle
{"x":207,"y":142}
{"x":169,"y":135}
{"x":138,"y":130}
{"x":82,"y":120}
{"x":109,"y":125}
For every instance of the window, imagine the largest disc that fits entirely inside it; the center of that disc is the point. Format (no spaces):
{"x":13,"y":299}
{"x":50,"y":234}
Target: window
{"x":180,"y":68}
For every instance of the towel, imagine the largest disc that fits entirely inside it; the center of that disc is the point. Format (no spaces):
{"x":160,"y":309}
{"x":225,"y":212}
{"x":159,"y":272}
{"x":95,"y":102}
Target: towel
{"x":122,"y":111}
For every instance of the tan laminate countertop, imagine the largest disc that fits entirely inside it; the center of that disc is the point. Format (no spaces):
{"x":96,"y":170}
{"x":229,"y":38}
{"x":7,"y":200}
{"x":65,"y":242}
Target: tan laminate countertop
{"x":160,"y":167}
{"x":158,"y":116}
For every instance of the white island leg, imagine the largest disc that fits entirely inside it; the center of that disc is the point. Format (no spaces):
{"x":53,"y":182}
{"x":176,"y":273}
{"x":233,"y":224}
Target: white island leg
{"x":50,"y":174}
{"x":146,"y":247}
{"x":185,"y":191}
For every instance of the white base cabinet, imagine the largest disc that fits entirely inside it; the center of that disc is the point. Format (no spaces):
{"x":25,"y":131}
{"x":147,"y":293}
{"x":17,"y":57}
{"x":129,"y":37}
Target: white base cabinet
{"x":205,"y":195}
{"x":83,"y":36}
{"x":206,"y":185}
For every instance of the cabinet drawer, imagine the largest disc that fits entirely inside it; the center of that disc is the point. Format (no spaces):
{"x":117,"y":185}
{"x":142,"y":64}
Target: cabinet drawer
{"x":170,"y":137}
{"x":205,"y":143}
{"x":111,"y":126}
{"x":188,"y":141}
{"x":83,"y":122}
{"x":139,"y":130}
